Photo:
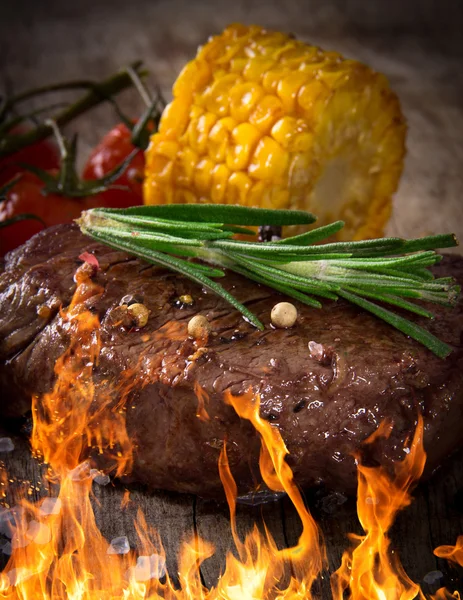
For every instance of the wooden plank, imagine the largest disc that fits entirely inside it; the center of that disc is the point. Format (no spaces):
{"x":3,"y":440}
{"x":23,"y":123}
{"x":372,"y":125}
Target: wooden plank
{"x":170,"y":514}
{"x":213,"y":524}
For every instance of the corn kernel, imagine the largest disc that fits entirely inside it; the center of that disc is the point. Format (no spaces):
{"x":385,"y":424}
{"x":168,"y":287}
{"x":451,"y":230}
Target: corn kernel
{"x":257,"y":193}
{"x":310,"y":94}
{"x":269,"y":161}
{"x":279,"y":197}
{"x":220,"y":138}
{"x":175,"y":118}
{"x":239,"y":185}
{"x":271,"y":79}
{"x":185,"y":164}
{"x":284,"y":130}
{"x":194,"y":76}
{"x":301,"y":142}
{"x":255,"y":68}
{"x":198,"y":132}
{"x":220,"y":176}
{"x":266,"y":113}
{"x":162,"y":166}
{"x":294,"y":57}
{"x":216,"y":98}
{"x":183,"y":196}
{"x":203,"y":176}
{"x":238,"y":65}
{"x":243,"y":99}
{"x":245,"y":139}
{"x":167,"y":148}
{"x":288,"y":88}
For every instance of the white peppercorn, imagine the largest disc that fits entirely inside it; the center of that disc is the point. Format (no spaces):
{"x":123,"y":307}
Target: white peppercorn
{"x":198,"y":326}
{"x":139,"y":314}
{"x":284,"y":315}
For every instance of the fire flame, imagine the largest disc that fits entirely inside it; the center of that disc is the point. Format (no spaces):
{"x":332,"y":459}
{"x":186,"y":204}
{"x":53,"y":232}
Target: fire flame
{"x":59,"y":553}
{"x":370,"y":571}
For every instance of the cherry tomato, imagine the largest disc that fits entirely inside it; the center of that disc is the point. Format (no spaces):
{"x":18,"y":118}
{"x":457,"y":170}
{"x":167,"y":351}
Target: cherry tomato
{"x":110,"y":152}
{"x":26,"y":197}
{"x":42,"y":154}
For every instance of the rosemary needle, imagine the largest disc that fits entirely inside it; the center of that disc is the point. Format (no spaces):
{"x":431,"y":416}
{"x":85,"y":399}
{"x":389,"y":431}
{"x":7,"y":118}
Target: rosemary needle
{"x":389,"y":270}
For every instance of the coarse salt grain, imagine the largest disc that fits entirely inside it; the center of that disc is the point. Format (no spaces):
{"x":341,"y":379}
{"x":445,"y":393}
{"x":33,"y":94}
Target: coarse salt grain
{"x":6,"y":444}
{"x":99,"y":477}
{"x":149,"y":567}
{"x":50,"y":506}
{"x":119,"y":545}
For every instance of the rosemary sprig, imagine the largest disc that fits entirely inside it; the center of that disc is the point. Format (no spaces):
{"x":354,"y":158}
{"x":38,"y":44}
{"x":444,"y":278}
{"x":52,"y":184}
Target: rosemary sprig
{"x":389,"y":270}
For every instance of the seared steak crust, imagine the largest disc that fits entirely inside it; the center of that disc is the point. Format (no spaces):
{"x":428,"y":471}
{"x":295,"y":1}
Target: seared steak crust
{"x":325,"y":401}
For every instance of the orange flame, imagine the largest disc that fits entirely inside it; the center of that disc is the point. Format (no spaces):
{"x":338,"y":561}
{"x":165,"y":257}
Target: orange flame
{"x":371,"y":571}
{"x":452,"y":553}
{"x":59,"y":553}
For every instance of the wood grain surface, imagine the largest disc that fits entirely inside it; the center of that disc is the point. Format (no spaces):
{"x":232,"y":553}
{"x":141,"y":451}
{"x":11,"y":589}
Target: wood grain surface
{"x":417,"y":45}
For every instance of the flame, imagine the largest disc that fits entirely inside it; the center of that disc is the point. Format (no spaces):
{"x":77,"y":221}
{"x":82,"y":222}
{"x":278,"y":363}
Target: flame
{"x":59,"y":553}
{"x":203,"y":399}
{"x":452,"y":553}
{"x":370,"y":570}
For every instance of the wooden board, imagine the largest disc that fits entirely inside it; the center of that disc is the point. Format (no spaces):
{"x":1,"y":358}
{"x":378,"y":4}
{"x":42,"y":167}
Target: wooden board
{"x":417,"y":45}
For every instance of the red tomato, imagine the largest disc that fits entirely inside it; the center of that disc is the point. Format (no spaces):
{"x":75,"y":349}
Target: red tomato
{"x":26,"y":197}
{"x":110,"y":152}
{"x":42,"y":154}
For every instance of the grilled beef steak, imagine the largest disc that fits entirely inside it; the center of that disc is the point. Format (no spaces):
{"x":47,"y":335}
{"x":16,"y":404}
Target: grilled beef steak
{"x":325,"y":399}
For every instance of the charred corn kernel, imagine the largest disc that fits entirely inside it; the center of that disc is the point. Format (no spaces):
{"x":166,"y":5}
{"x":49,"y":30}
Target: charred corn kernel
{"x":262,"y":119}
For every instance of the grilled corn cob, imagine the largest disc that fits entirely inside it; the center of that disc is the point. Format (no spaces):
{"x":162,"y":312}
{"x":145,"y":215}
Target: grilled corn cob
{"x":261,"y":119}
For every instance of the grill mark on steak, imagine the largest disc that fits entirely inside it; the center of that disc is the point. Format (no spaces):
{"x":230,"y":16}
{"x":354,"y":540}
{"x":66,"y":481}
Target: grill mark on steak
{"x":323,"y":408}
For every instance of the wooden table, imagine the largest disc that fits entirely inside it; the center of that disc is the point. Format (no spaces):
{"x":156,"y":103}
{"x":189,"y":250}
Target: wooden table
{"x":417,"y":45}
